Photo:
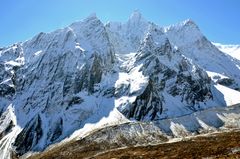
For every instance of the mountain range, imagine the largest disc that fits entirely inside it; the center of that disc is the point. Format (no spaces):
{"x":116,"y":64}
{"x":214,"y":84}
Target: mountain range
{"x":123,"y":84}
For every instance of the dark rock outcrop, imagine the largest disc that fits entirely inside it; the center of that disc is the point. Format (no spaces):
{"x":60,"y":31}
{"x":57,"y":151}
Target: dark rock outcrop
{"x":29,"y":136}
{"x":149,"y":103}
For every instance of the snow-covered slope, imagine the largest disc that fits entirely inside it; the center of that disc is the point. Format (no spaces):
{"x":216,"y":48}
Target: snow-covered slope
{"x":232,"y":50}
{"x":90,"y":75}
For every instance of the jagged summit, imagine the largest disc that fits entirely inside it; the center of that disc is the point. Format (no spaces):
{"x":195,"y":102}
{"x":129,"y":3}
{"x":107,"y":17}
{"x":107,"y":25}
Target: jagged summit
{"x":92,"y":15}
{"x":89,"y":75}
{"x":188,"y":22}
{"x":136,"y":18}
{"x":136,"y":15}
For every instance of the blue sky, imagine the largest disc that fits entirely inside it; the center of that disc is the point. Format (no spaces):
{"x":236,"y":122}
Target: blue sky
{"x":20,"y":20}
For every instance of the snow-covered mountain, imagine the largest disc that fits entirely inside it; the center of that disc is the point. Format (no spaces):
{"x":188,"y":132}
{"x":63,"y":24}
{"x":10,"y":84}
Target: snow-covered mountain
{"x":89,"y":75}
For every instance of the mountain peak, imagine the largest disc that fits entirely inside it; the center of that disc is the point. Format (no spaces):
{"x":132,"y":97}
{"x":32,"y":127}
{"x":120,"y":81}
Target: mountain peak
{"x":189,"y":22}
{"x":92,"y":16}
{"x":89,"y":19}
{"x":136,"y":17}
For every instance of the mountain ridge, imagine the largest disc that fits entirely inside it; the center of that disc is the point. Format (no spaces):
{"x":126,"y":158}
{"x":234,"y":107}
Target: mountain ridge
{"x":90,"y":75}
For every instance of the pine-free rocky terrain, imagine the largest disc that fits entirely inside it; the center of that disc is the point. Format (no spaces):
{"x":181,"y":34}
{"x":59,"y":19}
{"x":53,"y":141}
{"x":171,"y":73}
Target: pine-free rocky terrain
{"x":128,"y":90}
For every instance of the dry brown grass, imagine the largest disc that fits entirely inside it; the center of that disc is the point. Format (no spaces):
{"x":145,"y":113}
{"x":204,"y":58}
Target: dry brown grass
{"x":220,"y":145}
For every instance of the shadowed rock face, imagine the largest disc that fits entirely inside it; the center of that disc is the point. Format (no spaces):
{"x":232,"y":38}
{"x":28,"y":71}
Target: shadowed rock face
{"x":57,"y":130}
{"x":29,"y":136}
{"x":8,"y":72}
{"x":226,"y":81}
{"x":6,"y":129}
{"x":149,"y":103}
{"x":85,"y":78}
{"x":6,"y":90}
{"x":195,"y":90}
{"x":95,"y":74}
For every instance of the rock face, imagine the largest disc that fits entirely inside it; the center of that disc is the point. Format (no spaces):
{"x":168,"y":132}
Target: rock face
{"x":170,"y":73}
{"x":91,"y":74}
{"x":29,"y":136}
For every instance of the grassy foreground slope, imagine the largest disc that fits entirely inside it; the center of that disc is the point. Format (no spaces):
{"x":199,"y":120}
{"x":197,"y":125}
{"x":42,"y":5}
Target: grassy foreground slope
{"x":217,"y":145}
